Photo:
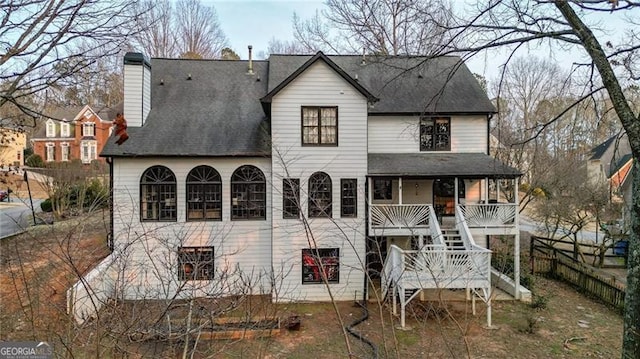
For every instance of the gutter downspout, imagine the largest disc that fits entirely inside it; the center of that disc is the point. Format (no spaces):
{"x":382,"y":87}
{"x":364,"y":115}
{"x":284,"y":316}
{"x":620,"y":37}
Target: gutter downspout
{"x":110,"y":242}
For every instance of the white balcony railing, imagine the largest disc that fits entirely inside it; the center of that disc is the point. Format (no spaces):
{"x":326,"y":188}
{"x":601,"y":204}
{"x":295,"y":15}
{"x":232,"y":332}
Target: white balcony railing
{"x":489,"y":215}
{"x":399,"y":216}
{"x":437,"y":267}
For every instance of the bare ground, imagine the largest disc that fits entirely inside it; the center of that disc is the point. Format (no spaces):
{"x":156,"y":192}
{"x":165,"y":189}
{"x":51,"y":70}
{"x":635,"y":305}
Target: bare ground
{"x":38,"y":267}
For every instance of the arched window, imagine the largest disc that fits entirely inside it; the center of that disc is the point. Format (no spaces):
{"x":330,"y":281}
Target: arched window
{"x":320,"y":197}
{"x":204,"y":194}
{"x":248,"y":193}
{"x":158,"y":194}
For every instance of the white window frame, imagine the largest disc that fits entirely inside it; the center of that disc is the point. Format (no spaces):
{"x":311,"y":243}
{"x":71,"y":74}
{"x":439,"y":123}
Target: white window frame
{"x":51,"y":128}
{"x":85,"y":129}
{"x":91,"y":148}
{"x":64,"y":129}
{"x":50,"y":151}
{"x":64,"y":152}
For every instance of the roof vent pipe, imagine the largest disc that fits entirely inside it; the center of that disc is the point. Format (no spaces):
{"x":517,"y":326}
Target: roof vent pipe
{"x":250,"y":71}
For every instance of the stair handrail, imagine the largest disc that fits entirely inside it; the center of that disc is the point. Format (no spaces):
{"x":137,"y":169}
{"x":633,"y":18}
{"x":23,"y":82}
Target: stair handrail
{"x":434,"y":229}
{"x":465,"y":233}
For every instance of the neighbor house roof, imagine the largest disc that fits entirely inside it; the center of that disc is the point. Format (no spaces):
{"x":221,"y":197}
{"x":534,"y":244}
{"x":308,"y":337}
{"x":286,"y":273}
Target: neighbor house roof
{"x":403,"y":84}
{"x":201,"y":108}
{"x":70,"y":113}
{"x":471,"y":165}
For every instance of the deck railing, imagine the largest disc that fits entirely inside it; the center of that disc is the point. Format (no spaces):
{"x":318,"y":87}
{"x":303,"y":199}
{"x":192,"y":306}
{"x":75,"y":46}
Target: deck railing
{"x":437,"y":267}
{"x":489,"y":215}
{"x":399,"y":216}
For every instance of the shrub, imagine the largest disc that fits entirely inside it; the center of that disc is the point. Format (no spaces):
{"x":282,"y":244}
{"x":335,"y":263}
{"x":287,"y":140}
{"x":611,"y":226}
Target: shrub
{"x":34,"y":161}
{"x":46,"y":205}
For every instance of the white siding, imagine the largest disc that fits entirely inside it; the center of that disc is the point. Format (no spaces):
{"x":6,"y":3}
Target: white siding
{"x":319,"y":86}
{"x":146,"y":93}
{"x":133,"y":94}
{"x":400,"y":134}
{"x":146,"y":251}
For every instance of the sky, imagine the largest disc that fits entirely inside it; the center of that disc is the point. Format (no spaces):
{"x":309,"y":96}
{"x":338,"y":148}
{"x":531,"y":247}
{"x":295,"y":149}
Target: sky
{"x":255,"y":22}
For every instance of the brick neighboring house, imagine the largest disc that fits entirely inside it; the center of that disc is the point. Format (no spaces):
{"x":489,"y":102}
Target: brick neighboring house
{"x":80,"y":133}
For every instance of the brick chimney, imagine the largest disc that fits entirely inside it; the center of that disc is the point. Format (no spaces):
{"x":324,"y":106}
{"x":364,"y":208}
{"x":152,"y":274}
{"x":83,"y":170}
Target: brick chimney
{"x":137,"y":88}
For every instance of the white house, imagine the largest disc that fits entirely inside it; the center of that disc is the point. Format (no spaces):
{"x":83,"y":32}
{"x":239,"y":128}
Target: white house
{"x":303,"y":177}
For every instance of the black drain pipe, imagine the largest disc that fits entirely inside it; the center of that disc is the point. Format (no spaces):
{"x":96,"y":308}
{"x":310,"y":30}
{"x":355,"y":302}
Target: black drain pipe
{"x":365,"y":316}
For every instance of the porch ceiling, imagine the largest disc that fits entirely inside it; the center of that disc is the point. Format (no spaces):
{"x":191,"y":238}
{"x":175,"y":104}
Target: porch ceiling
{"x":467,"y":165}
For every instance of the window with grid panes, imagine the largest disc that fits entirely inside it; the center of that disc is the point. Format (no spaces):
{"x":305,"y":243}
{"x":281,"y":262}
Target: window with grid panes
{"x":349,"y":203}
{"x":319,"y":126}
{"x":320,"y":195}
{"x":158,"y":194}
{"x":291,"y":198}
{"x":320,"y":262}
{"x":248,"y":194}
{"x":435,"y":134}
{"x":195,"y":263}
{"x":204,"y":194}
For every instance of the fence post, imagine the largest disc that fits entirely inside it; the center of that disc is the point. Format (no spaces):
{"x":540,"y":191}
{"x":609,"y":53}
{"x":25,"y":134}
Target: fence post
{"x":531,"y":259}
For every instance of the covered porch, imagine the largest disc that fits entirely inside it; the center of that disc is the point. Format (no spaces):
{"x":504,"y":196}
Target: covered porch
{"x":434,"y":212}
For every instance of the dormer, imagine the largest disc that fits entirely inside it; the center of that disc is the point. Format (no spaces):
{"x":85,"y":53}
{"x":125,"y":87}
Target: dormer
{"x":65,"y":129}
{"x":51,"y":128}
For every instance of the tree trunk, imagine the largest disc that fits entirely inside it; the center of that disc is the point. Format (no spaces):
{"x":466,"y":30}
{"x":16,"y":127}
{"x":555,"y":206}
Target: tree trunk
{"x":631,"y":338}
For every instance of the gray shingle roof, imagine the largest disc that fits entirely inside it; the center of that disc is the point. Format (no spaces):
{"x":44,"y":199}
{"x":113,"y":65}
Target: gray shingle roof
{"x":216,"y":113}
{"x":471,"y":165}
{"x":403,"y":84}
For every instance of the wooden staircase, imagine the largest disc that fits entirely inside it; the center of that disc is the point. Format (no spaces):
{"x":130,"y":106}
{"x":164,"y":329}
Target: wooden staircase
{"x":453,"y":240}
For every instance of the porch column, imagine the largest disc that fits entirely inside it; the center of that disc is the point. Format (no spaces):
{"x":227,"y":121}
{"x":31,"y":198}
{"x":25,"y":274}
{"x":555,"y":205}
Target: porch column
{"x":486,"y":190}
{"x":516,"y":251}
{"x":400,"y":190}
{"x":370,"y":202}
{"x":455,"y":195}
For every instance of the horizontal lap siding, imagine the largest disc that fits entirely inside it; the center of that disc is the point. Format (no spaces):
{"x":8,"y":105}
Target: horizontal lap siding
{"x":400,"y":134}
{"x":319,"y":86}
{"x":147,"y":249}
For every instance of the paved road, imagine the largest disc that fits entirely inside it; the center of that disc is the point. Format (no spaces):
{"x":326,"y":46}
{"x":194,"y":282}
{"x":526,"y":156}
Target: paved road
{"x":16,"y":216}
{"x":526,"y":224}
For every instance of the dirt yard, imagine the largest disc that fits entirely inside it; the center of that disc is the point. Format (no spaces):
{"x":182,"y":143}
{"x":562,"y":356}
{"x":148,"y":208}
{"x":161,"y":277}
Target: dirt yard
{"x":19,"y":188}
{"x":38,"y":267}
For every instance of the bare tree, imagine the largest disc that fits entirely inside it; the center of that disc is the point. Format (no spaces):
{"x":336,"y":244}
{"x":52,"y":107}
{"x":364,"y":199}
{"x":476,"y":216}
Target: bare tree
{"x":186,"y":29}
{"x":39,"y":35}
{"x":517,"y":25}
{"x":156,"y":37}
{"x":198,"y":29}
{"x":388,"y":27}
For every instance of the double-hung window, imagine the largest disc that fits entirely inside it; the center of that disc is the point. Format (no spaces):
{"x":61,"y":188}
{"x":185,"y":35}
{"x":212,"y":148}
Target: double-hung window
{"x":51,"y":152}
{"x":349,"y":204}
{"x":319,"y":264}
{"x":88,"y":129}
{"x":435,"y":134}
{"x":291,"y":198}
{"x":319,"y":126}
{"x":195,"y":263}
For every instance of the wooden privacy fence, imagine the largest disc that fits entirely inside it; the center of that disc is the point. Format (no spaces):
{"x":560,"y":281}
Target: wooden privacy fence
{"x":547,"y":260}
